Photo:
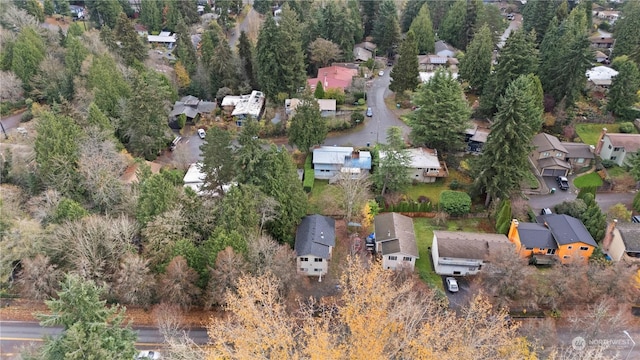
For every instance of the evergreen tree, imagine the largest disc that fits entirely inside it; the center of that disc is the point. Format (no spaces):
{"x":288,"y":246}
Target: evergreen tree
{"x":250,"y":155}
{"x":108,"y":85}
{"x":217,"y":160}
{"x":405,"y":74}
{"x":594,"y":219}
{"x":475,"y":66}
{"x":519,"y":56}
{"x":245,"y":53}
{"x":369,"y":13}
{"x":423,"y":29}
{"x":224,"y":71}
{"x":131,"y":48}
{"x":26,"y":54}
{"x":184,"y":48}
{"x":386,"y":30}
{"x":391,"y":173}
{"x":504,"y":161}
{"x":63,"y":7}
{"x":627,"y":32}
{"x":443,"y":115}
{"x":262,"y":6}
{"x":150,"y":15}
{"x":355,"y":21}
{"x":49,"y":9}
{"x":104,"y":13}
{"x":537,"y":15}
{"x":91,"y":330}
{"x":475,"y":9}
{"x":307,"y":128}
{"x":453,"y":25}
{"x":411,"y":10}
{"x":624,"y":89}
{"x":267,"y":58}
{"x":338,"y":26}
{"x":319,"y":91}
{"x":438,"y":10}
{"x":35,"y":9}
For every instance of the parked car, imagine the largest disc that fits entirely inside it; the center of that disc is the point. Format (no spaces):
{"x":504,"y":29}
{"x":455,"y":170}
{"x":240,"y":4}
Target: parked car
{"x":174,"y":143}
{"x":452,"y":284}
{"x":381,"y":73}
{"x":563,"y":182}
{"x":546,"y":211}
{"x":150,"y":355}
{"x":511,"y":17}
{"x":369,"y":112}
{"x":202,"y":133}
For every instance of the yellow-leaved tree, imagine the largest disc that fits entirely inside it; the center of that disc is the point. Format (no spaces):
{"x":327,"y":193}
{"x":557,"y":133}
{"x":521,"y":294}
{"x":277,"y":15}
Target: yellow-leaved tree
{"x":182,"y":75}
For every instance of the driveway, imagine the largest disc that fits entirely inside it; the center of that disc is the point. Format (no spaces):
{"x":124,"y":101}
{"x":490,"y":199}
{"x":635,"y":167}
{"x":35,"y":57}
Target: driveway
{"x":9,"y":123}
{"x":605,"y":200}
{"x":514,"y":25}
{"x":252,"y":16}
{"x":457,"y":301}
{"x":375,"y":128}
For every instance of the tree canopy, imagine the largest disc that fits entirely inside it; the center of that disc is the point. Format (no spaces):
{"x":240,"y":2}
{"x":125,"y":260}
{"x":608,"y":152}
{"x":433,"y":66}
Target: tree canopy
{"x":307,"y":127}
{"x":404,"y":76}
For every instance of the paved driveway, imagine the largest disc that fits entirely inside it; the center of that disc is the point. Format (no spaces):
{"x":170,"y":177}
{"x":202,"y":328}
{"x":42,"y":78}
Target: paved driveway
{"x":375,"y":128}
{"x":459,"y":300}
{"x":605,"y":200}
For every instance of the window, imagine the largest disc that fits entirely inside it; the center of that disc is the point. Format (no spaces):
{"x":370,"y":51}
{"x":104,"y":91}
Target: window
{"x":316,"y":270}
{"x":609,"y":147}
{"x":580,"y":161}
{"x":529,"y":248}
{"x":456,"y":273}
{"x":545,"y":154}
{"x":617,"y":148}
{"x":304,"y":259}
{"x":569,"y":247}
{"x":393,"y":258}
{"x":584,"y":248}
{"x":566,"y":257}
{"x":406,"y":258}
{"x":551,"y":251}
{"x":317,"y":259}
{"x":303,"y":269}
{"x":559,"y":155}
{"x":613,"y":158}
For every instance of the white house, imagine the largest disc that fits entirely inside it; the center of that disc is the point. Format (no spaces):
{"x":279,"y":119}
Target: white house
{"x":327,"y":107}
{"x":396,"y":241}
{"x":601,"y":75}
{"x":328,"y":161}
{"x":444,"y":49}
{"x":194,"y":179}
{"x":315,"y":239}
{"x":463,"y":253}
{"x":164,"y":38}
{"x":622,"y":242}
{"x":618,"y":148}
{"x":424,"y":165}
{"x":425,"y":76}
{"x":245,"y":107}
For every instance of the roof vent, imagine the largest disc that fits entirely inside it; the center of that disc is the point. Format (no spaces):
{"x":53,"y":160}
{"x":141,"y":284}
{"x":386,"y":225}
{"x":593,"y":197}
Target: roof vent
{"x":321,"y":234}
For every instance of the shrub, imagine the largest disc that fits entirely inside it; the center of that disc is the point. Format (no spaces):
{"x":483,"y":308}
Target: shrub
{"x":68,"y":210}
{"x":182,"y":120}
{"x":309,"y":176}
{"x":335,"y":93}
{"x":608,"y":164}
{"x":356,"y":118}
{"x":455,"y":203}
{"x":26,"y":116}
{"x":455,"y":185}
{"x":503,"y":218}
{"x":626,"y":128}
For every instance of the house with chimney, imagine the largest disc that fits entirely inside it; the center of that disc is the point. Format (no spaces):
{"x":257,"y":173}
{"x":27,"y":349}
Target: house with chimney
{"x":315,"y":239}
{"x":333,"y":77}
{"x":622,"y":242}
{"x":618,"y":148}
{"x":552,"y":238}
{"x":330,"y":162}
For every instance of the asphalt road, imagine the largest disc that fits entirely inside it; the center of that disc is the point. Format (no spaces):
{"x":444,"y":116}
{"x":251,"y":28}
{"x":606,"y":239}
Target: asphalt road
{"x":17,"y":334}
{"x":374,"y":129}
{"x":9,"y":123}
{"x":605,"y":200}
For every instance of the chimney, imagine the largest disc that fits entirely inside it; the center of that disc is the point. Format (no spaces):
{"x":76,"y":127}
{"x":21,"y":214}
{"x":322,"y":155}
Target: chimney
{"x":608,"y":235}
{"x":355,"y":154}
{"x":601,"y":140}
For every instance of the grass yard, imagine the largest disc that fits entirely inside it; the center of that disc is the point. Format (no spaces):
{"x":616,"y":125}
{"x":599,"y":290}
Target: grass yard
{"x":616,"y":171}
{"x":588,"y":180}
{"x":324,"y":198}
{"x":433,"y":190}
{"x":589,"y":133}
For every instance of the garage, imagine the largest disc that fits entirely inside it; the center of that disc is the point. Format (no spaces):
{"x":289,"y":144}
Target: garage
{"x":554,"y":172}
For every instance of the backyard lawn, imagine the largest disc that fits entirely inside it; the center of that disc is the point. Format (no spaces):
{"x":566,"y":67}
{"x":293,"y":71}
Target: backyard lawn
{"x":588,"y":180}
{"x":432,"y":191}
{"x":324,"y":198}
{"x":589,"y":133}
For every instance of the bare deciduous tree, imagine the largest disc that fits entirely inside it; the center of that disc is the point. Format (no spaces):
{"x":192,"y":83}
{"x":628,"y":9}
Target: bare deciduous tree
{"x":224,"y":276}
{"x":11,"y":89}
{"x":355,"y":193}
{"x":265,"y":255}
{"x":268,"y":210}
{"x":161,"y":233}
{"x":603,"y":317}
{"x":322,"y":51}
{"x":133,"y":282}
{"x":506,"y":276}
{"x":39,"y":278}
{"x":177,"y":285}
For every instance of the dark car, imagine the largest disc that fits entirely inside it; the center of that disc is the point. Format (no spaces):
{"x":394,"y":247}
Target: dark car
{"x":369,"y":112}
{"x":563,"y":182}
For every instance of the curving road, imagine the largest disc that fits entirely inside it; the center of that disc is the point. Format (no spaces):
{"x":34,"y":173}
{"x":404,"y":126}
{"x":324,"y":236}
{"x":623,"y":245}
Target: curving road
{"x":375,"y":128}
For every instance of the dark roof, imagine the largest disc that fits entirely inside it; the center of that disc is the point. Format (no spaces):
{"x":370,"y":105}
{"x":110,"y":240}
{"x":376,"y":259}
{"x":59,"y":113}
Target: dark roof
{"x":390,"y":247}
{"x":553,"y":161}
{"x":315,"y":235}
{"x":392,"y":226}
{"x":546,"y":142}
{"x":467,"y":245}
{"x":534,"y":235}
{"x":630,"y":233}
{"x":566,"y":229}
{"x":578,"y":150}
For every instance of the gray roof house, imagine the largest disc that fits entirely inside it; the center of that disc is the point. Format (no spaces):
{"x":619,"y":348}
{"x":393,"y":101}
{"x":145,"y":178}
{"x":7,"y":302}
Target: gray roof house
{"x":551,"y":157}
{"x":444,"y":49}
{"x":460,"y":253}
{"x":622,"y":242}
{"x":396,"y":241}
{"x":618,"y":148}
{"x":191,"y":107}
{"x":315,"y":239}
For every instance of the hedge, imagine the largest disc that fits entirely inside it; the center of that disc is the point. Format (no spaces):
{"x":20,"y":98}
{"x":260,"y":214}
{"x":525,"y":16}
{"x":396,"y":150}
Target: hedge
{"x":410,"y":207}
{"x":309,"y":176}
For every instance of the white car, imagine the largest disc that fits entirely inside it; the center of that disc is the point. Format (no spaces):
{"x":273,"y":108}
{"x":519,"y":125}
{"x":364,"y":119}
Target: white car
{"x":381,"y":73}
{"x":202,"y":133}
{"x":452,"y":284}
{"x":148,"y":355}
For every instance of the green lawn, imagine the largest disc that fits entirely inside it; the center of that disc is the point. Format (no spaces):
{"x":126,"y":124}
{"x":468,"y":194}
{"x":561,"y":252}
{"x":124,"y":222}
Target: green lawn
{"x":433,"y":190}
{"x":322,"y":194}
{"x":588,"y":180}
{"x":616,"y":171}
{"x":589,"y":133}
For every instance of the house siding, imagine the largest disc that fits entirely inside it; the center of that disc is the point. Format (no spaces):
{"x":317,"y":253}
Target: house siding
{"x":388,"y":263}
{"x":607,"y":152}
{"x":569,"y":253}
{"x":456,"y":266}
{"x":418,"y":175}
{"x":311,"y":267}
{"x":326,"y":171}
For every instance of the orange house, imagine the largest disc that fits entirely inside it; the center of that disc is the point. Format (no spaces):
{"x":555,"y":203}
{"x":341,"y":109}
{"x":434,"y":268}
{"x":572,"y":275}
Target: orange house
{"x":552,"y":237}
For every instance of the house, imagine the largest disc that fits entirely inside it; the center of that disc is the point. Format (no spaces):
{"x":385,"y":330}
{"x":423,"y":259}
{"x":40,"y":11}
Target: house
{"x":329,"y":161}
{"x":601,"y":76}
{"x":463,"y":253}
{"x":551,"y":157}
{"x":601,"y":57}
{"x":476,"y":136}
{"x":141,"y":30}
{"x":333,"y":77}
{"x":622,"y":242}
{"x":165,"y":39}
{"x":425,"y":76}
{"x":444,"y":49}
{"x":194,"y":179}
{"x":431,"y":62}
{"x":361,"y":54}
{"x":396,"y":241}
{"x":618,"y":148}
{"x":610,"y":16}
{"x":315,"y":239}
{"x":424,"y":165}
{"x":191,"y":107}
{"x":601,"y":42}
{"x":367,"y":45}
{"x":552,"y":237}
{"x":327,"y":107}
{"x":244,"y":107}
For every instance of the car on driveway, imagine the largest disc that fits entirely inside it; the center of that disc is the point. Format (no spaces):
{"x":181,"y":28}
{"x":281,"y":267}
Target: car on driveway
{"x":369,"y":112}
{"x":452,"y":284}
{"x":381,"y":73}
{"x":202,"y":133}
{"x":563,"y":182}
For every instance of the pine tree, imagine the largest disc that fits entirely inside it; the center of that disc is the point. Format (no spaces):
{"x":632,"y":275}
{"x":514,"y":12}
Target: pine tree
{"x":319,"y":91}
{"x":218,"y":159}
{"x":423,"y":29}
{"x":35,"y":9}
{"x":245,"y":53}
{"x":104,"y":13}
{"x":475,"y":66}
{"x":443,"y":115}
{"x":624,"y":89}
{"x":537,"y":16}
{"x":150,"y":15}
{"x":26,"y":54}
{"x":504,"y":161}
{"x":594,"y":219}
{"x":475,"y":9}
{"x":386,"y":30}
{"x":184,"y":48}
{"x":518,"y":57}
{"x":131,"y":48}
{"x":405,"y":74}
{"x":392,"y":172}
{"x":49,"y":9}
{"x":453,"y":25}
{"x":627,"y":32}
{"x":411,"y":10}
{"x":307,"y":128}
